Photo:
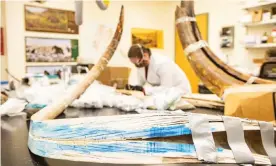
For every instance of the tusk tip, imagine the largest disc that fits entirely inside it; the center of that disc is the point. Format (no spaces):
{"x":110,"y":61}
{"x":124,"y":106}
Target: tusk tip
{"x":177,"y":9}
{"x":182,"y":3}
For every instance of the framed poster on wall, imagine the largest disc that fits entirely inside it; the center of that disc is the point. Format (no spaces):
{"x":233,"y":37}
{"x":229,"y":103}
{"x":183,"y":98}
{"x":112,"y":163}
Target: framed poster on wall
{"x":44,"y":19}
{"x":150,"y":38}
{"x":227,"y":37}
{"x":51,"y":50}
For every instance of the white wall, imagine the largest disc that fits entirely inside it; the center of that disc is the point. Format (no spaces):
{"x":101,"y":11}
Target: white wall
{"x":143,"y":14}
{"x":228,"y":13}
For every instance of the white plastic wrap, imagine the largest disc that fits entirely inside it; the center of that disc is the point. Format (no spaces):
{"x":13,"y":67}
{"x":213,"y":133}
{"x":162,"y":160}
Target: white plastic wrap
{"x":99,"y":96}
{"x":126,"y":103}
{"x":182,"y":105}
{"x":90,"y":102}
{"x":13,"y":107}
{"x":123,"y":102}
{"x":94,"y":97}
{"x":163,"y":100}
{"x":38,"y":94}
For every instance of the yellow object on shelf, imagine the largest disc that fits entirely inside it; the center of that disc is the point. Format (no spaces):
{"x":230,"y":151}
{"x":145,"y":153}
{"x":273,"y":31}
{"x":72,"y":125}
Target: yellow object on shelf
{"x":106,"y":2}
{"x":257,"y":15}
{"x":270,"y":39}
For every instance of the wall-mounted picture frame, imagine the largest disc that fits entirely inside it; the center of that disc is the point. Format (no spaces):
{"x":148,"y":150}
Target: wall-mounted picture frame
{"x":227,"y":37}
{"x":150,"y":38}
{"x":51,"y":50}
{"x":44,"y":19}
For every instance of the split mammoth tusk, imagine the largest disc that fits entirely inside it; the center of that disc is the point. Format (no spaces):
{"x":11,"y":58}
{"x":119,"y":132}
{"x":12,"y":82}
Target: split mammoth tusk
{"x":214,"y":73}
{"x":53,"y":110}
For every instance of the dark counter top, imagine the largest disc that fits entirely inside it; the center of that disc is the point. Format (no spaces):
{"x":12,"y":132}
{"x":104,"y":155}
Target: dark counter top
{"x":14,"y":137}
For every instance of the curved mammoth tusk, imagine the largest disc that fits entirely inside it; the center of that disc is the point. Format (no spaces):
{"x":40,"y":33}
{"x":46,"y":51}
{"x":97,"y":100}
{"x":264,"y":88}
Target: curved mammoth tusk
{"x":213,"y":72}
{"x":56,"y":108}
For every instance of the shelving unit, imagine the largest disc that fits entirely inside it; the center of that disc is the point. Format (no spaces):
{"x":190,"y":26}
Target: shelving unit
{"x":272,"y":21}
{"x":259,"y":29}
{"x":259,"y":5}
{"x":51,"y":63}
{"x":268,"y":45}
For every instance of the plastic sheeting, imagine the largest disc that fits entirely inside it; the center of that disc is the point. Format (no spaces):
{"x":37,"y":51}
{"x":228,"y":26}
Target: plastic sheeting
{"x":13,"y":107}
{"x":99,"y":96}
{"x":163,"y":100}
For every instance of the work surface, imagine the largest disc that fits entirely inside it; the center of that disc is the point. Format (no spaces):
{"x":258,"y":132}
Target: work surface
{"x":14,"y":137}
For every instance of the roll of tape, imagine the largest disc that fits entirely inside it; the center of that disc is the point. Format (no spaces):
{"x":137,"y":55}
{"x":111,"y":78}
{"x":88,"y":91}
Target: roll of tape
{"x":203,"y":138}
{"x":251,"y":80}
{"x":236,"y":140}
{"x":185,"y":19}
{"x":267,"y":133}
{"x":195,"y":46}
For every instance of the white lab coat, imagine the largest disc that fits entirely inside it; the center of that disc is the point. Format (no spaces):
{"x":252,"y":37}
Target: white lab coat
{"x":163,"y":73}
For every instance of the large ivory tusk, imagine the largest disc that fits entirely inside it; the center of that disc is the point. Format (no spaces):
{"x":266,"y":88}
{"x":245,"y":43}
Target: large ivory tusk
{"x":53,"y":110}
{"x":214,"y":73}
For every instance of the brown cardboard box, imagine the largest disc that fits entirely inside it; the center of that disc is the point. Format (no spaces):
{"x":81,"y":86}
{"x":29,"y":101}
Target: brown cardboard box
{"x":119,"y":76}
{"x":115,"y":75}
{"x":257,"y":15}
{"x":252,"y":105}
{"x":105,"y":76}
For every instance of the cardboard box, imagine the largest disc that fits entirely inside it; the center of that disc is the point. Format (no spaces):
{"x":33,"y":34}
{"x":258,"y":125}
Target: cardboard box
{"x":119,"y":76}
{"x":104,"y":78}
{"x":257,"y":15}
{"x":112,"y":76}
{"x":252,"y":104}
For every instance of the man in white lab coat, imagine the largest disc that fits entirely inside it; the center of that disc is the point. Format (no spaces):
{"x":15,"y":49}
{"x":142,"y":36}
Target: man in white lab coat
{"x":157,"y":70}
